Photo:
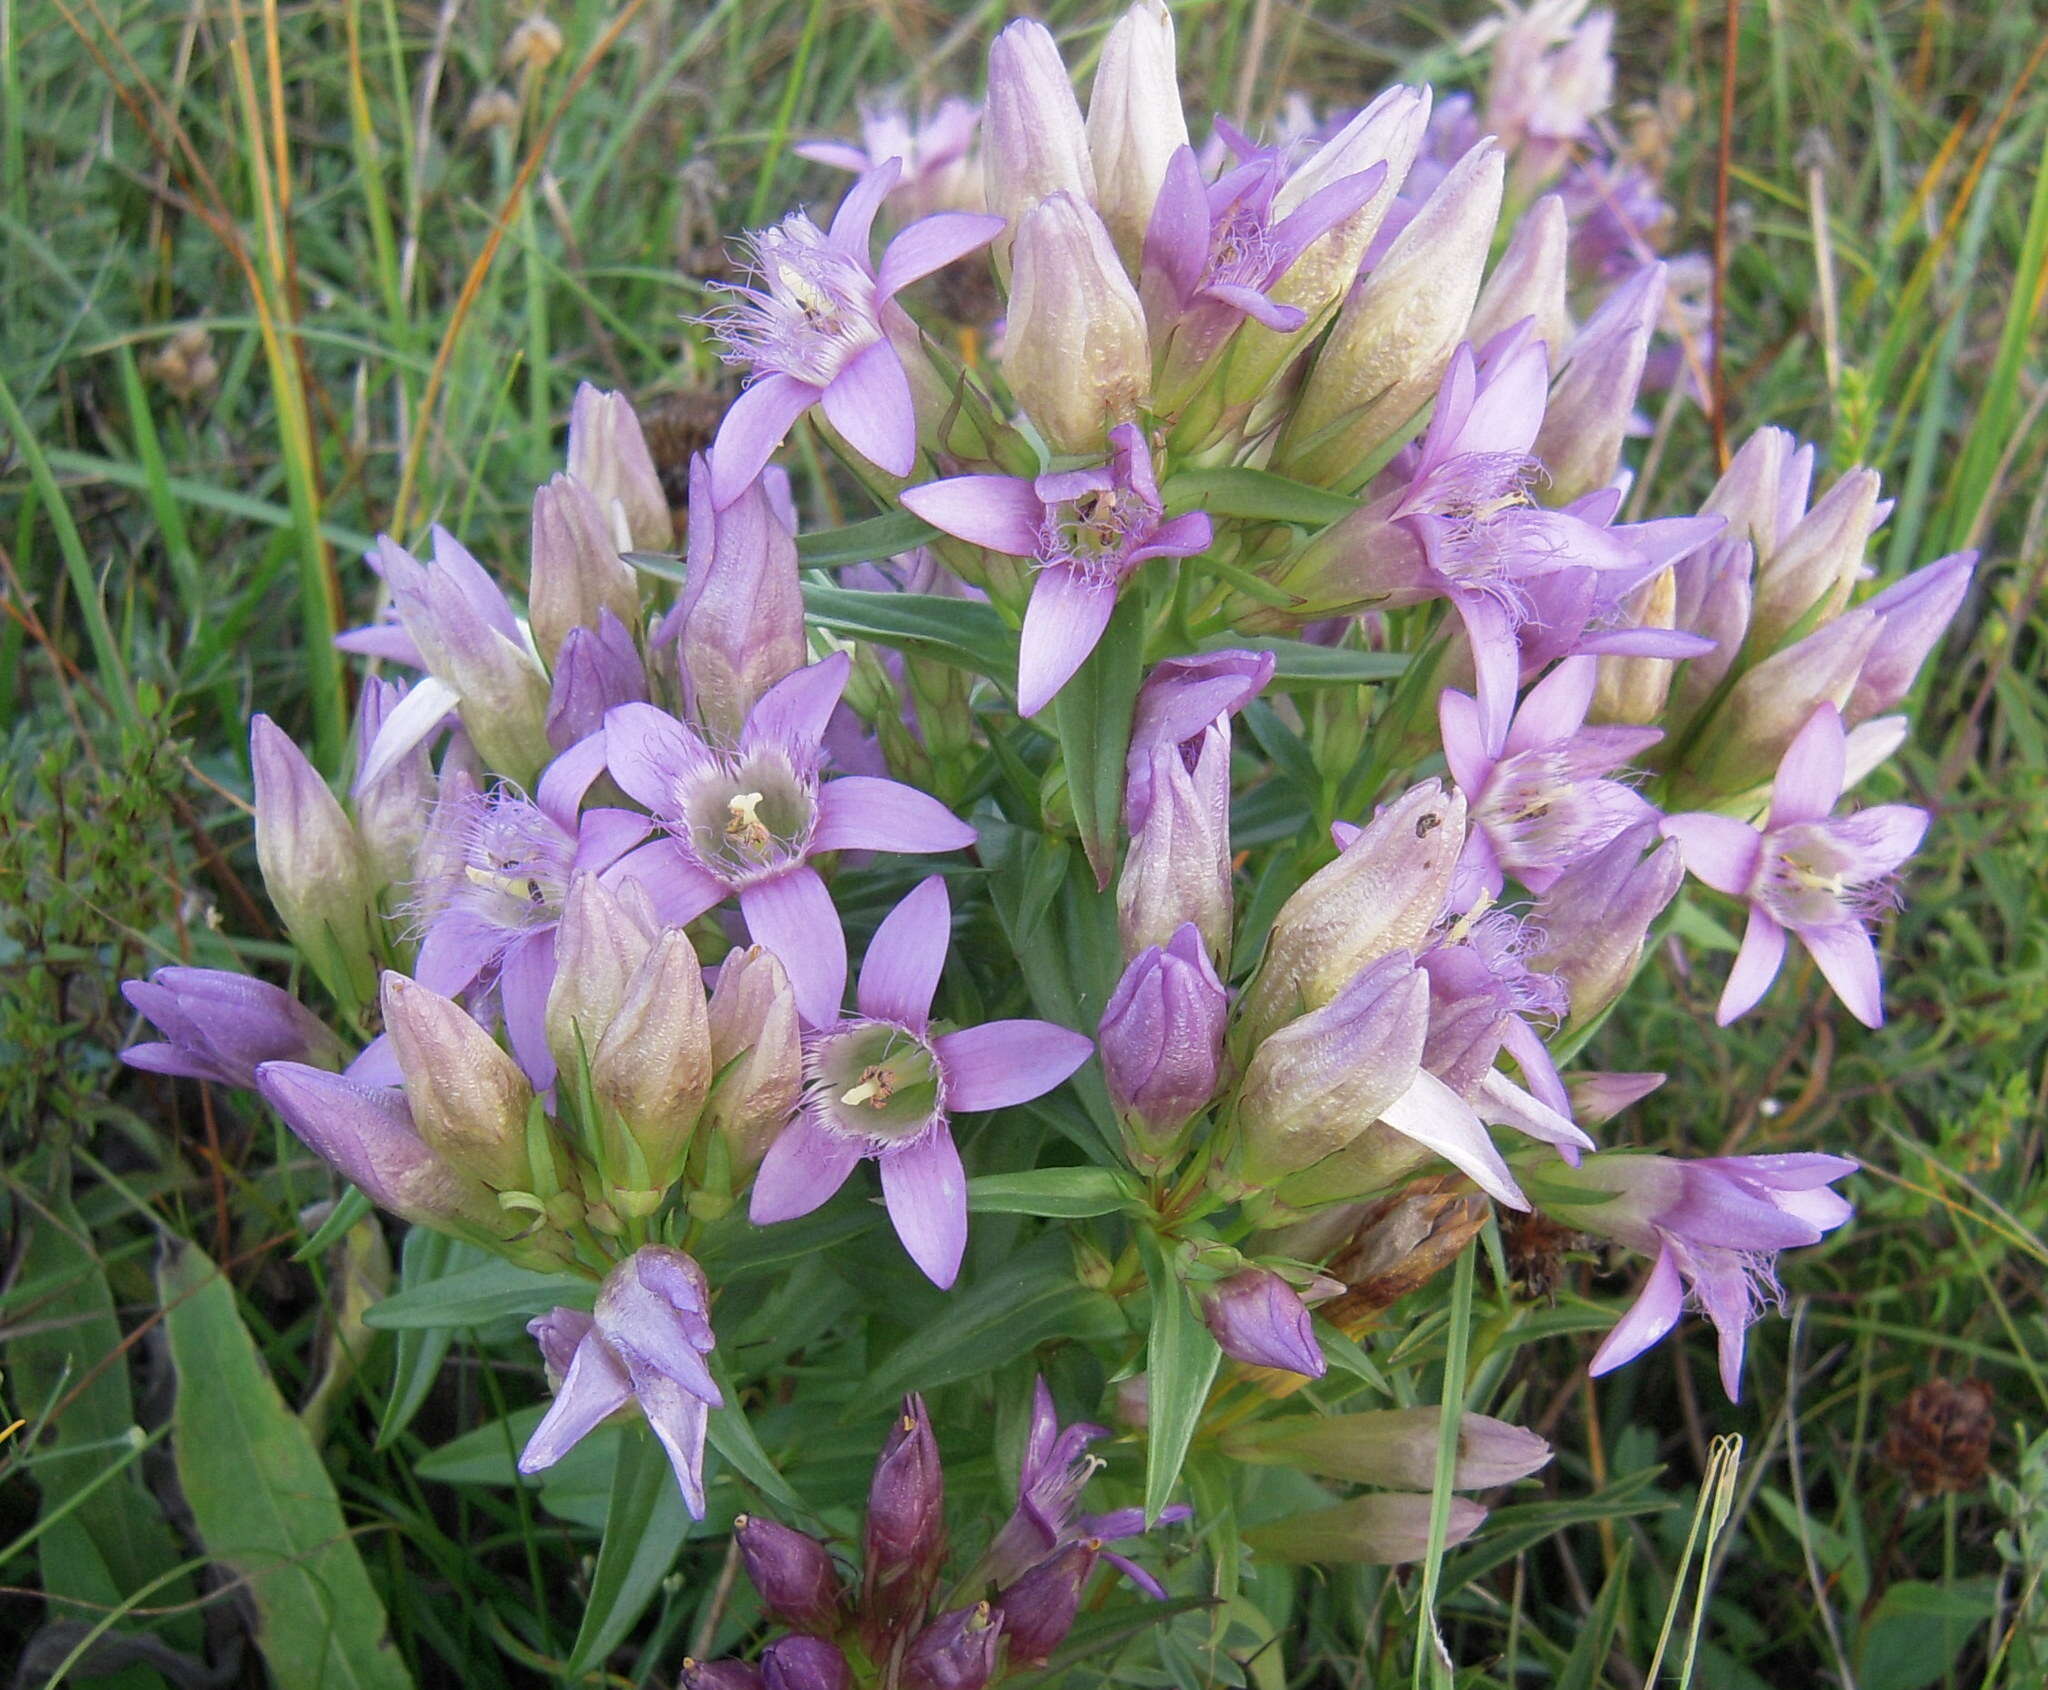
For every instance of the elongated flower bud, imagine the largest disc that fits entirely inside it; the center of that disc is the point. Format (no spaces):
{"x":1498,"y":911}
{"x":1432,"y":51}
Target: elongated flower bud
{"x":596,"y":670}
{"x":1598,"y":1097}
{"x":1388,"y":349}
{"x":1177,"y":869}
{"x":1075,"y":353}
{"x":469,"y":1099}
{"x":957,"y":1651}
{"x":740,"y":625}
{"x":904,"y":1540}
{"x":1322,"y":1079}
{"x":1161,"y":1042}
{"x":608,"y":454}
{"x":1384,"y":893}
{"x":1134,"y":121}
{"x":1530,"y":281}
{"x":1763,"y":490}
{"x":221,"y":1026}
{"x":792,"y":1571}
{"x":1595,"y":393}
{"x":1038,"y":1609}
{"x":1913,"y":614}
{"x":1815,"y":567}
{"x":1594,"y":918}
{"x":1034,"y":143}
{"x":1634,"y":689}
{"x":1762,"y":712}
{"x":1255,"y":1316}
{"x":312,"y":864}
{"x":1395,"y":1448}
{"x":599,"y":946}
{"x":653,"y":1066}
{"x":757,"y":1052}
{"x":804,"y":1663}
{"x":391,"y":810}
{"x":577,"y":570}
{"x":1713,"y":601}
{"x":1383,"y":1529}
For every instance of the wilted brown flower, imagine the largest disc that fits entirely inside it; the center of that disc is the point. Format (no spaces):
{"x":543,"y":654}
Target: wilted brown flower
{"x":1939,"y":1438}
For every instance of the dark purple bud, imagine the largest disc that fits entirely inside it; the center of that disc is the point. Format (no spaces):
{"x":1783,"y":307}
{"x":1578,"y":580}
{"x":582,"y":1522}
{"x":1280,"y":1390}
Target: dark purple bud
{"x":719,"y":1675}
{"x":957,"y":1651}
{"x":219,"y":1026}
{"x":1256,"y":1317}
{"x":595,"y":669}
{"x":792,"y":1571}
{"x":1038,"y":1609}
{"x":905,"y":1538}
{"x":804,"y":1663}
{"x":1162,"y":1043}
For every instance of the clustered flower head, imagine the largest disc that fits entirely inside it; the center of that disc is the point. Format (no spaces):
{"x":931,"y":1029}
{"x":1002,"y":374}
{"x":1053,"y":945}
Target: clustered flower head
{"x":1276,"y":751}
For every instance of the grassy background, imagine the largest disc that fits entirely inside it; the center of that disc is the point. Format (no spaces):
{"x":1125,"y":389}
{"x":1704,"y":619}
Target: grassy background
{"x":271,"y":285}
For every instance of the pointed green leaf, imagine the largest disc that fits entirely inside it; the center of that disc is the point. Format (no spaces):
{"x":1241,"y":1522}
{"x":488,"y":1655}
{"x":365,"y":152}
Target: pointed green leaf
{"x":644,"y":1529}
{"x":888,"y":535}
{"x":1255,"y":495}
{"x":1067,"y":1193}
{"x":1093,"y":715}
{"x":1181,"y":1359}
{"x":476,"y":1296}
{"x":963,"y":632}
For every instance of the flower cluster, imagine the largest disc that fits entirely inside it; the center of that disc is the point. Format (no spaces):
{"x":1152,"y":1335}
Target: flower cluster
{"x":1277,"y":499}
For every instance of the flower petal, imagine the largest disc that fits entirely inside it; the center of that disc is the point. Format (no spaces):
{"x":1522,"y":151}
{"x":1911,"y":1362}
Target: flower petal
{"x":1465,"y":748}
{"x":523,"y":986}
{"x":1062,"y":624}
{"x":794,"y":713}
{"x":1654,"y":1312}
{"x":906,"y":956}
{"x":1849,"y":960}
{"x":754,"y":426}
{"x":1439,"y":1119}
{"x":605,"y":836}
{"x":592,"y":1391}
{"x":1556,"y":706}
{"x":865,"y":813}
{"x":1005,"y":1062}
{"x":869,"y":402}
{"x":680,"y":1421}
{"x":649,"y":754}
{"x":792,"y":916}
{"x":803,"y":1169}
{"x":853,"y":223}
{"x":931,"y":243}
{"x":564,"y":782}
{"x":678,"y":889}
{"x":418,"y":715}
{"x":1717,"y":849}
{"x":1756,"y":966}
{"x":926,"y":1191}
{"x":1001,"y":512}
{"x":1811,"y":772}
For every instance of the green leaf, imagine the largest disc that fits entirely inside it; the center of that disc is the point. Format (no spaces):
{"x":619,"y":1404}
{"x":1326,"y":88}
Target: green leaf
{"x":732,"y":1435}
{"x":427,"y":1257}
{"x":486,"y":1454}
{"x":1034,"y":1299}
{"x":1582,"y":1669}
{"x":1298,"y":664}
{"x":644,"y":1528}
{"x":1255,"y":495}
{"x":737,"y":1249}
{"x":1093,"y":715}
{"x":262,"y":1501}
{"x":476,"y":1296}
{"x":1064,"y":1193}
{"x":1918,"y":1631}
{"x":350,"y":1207}
{"x":963,"y":632}
{"x":1181,"y":1359}
{"x":1092,"y":1639}
{"x":862,"y":542}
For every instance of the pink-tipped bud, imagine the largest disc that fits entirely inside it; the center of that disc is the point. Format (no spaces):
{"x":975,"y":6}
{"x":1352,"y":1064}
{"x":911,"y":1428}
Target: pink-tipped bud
{"x":1177,"y":869}
{"x":391,"y":810}
{"x":1034,"y":142}
{"x":577,"y":571}
{"x":1913,"y":614}
{"x":1161,"y":1042}
{"x":740,"y":624}
{"x":792,"y":1571}
{"x":1395,"y":1448}
{"x":469,"y":1099}
{"x":1750,"y":730}
{"x":608,"y":454}
{"x":1256,"y":1317}
{"x":596,"y":670}
{"x":599,"y":946}
{"x":1595,"y":393}
{"x":313,"y":865}
{"x":1598,"y":1097}
{"x":221,"y":1026}
{"x":652,"y":1069}
{"x":757,"y":1052}
{"x":1074,"y":353}
{"x":1037,"y":1610}
{"x":1135,"y":122}
{"x":1816,"y":566}
{"x":1383,"y":1529}
{"x":1530,"y":281}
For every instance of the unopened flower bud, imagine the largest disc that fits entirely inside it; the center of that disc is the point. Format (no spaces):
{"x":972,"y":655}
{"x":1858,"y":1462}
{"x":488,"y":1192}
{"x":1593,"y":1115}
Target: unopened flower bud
{"x":1383,"y":893}
{"x":1594,"y":395}
{"x":221,"y":1026}
{"x":596,"y":670}
{"x":1633,"y":690}
{"x":757,"y":1050}
{"x":391,"y":810}
{"x":1388,"y":349}
{"x":1815,"y":567}
{"x":653,"y":1066}
{"x":1255,"y":1316}
{"x":1034,"y":142}
{"x":1762,"y":492}
{"x":1134,"y":121}
{"x":469,"y":1099}
{"x":1594,"y":918}
{"x":1913,"y":614}
{"x":1075,"y":352}
{"x":957,"y":1651}
{"x":312,"y":864}
{"x":1161,"y":1042}
{"x":804,"y":1663}
{"x":1598,"y":1097}
{"x":608,"y":454}
{"x":1177,"y":869}
{"x":792,"y":1571}
{"x":740,"y":623}
{"x":1038,"y":1609}
{"x":1395,"y":1448}
{"x":904,"y":1539}
{"x":1713,"y":601}
{"x":1382,"y":1529}
{"x":599,"y":945}
{"x":1762,"y":712}
{"x":1530,"y":281}
{"x":577,"y":569}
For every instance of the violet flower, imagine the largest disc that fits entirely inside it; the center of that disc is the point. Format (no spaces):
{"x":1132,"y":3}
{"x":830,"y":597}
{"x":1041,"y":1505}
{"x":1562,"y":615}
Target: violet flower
{"x":1818,"y":878}
{"x":1087,"y":530}
{"x":1542,"y":796}
{"x":1255,"y":1316}
{"x":1715,"y":1227}
{"x":645,"y":1343}
{"x":219,"y":1026}
{"x":939,"y":169}
{"x":884,"y":1084}
{"x":812,"y":332}
{"x":747,"y":821}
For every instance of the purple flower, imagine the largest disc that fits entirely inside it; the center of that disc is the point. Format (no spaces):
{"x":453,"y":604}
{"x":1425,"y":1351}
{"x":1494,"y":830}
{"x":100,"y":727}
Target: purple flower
{"x":219,"y":1026}
{"x":1816,"y":877}
{"x":939,"y":172}
{"x":957,"y":1651}
{"x":747,"y":821}
{"x":1087,"y":529}
{"x":1484,"y":995}
{"x":1255,"y":1316}
{"x":1541,"y":797}
{"x":812,"y":333}
{"x":1715,"y":1227}
{"x":1162,"y":1044}
{"x":1055,"y":1470}
{"x":645,"y":1343}
{"x":595,"y":669}
{"x":903,"y":1539}
{"x":884,"y":1083}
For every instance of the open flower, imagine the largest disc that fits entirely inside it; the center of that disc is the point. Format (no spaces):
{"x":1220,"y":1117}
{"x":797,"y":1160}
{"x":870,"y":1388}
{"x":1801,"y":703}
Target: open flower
{"x":884,"y":1083}
{"x":812,"y":332}
{"x":1087,"y":529}
{"x":1804,"y":873}
{"x":940,"y":171}
{"x":747,"y":821}
{"x":645,"y":1343}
